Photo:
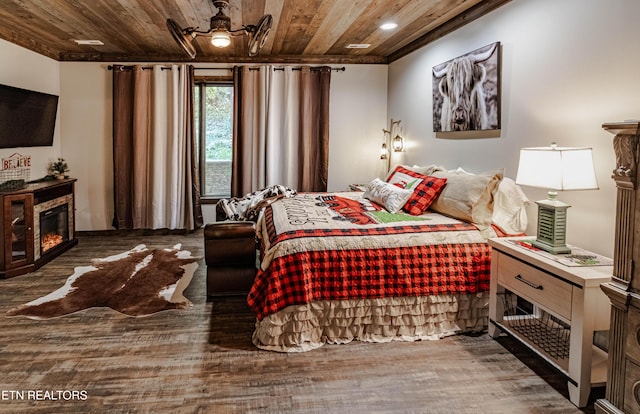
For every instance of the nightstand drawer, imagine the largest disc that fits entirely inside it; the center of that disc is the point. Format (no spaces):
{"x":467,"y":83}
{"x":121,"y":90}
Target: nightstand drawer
{"x":535,"y":285}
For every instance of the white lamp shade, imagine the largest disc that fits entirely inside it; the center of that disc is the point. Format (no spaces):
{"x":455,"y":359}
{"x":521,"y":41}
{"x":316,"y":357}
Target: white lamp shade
{"x":220,"y":38}
{"x":557,"y":168}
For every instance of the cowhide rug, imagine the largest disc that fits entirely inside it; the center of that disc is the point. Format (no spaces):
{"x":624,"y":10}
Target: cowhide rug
{"x":137,"y":282}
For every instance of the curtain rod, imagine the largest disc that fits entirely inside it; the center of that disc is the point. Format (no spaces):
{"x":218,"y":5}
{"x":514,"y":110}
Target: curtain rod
{"x":342,"y":69}
{"x":124,"y":67}
{"x":110,"y":67}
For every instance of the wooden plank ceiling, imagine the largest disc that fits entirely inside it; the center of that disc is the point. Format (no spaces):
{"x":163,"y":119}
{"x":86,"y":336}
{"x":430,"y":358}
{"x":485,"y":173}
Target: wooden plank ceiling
{"x":303,"y":31}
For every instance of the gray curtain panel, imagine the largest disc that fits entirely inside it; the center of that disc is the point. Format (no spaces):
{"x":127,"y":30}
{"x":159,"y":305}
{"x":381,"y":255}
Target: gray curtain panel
{"x":281,"y":128}
{"x":156,"y":180}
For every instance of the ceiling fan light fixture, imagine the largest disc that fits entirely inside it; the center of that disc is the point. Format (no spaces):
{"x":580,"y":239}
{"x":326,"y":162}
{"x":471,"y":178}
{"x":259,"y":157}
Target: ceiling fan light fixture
{"x":220,"y":38}
{"x":220,"y":31}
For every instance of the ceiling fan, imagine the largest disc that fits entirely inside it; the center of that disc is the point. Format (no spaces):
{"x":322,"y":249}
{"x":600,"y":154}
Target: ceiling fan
{"x":220,"y":31}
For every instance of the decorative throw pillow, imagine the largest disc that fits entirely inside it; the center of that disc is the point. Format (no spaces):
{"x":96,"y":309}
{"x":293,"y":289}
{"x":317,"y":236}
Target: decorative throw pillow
{"x":468,"y":197}
{"x":387,"y":195}
{"x":425,"y":188}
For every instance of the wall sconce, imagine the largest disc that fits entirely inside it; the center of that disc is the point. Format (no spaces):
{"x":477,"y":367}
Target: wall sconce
{"x":396,"y":143}
{"x":384,"y":154}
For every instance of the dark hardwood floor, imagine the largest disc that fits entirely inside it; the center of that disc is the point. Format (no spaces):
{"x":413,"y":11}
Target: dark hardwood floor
{"x":202,"y":360}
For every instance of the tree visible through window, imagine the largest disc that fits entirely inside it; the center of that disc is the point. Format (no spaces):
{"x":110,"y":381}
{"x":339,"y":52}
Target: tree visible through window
{"x":214,"y":123}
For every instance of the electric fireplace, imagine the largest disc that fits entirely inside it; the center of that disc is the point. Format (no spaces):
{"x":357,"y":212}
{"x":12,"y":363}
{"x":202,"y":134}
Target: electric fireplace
{"x":37,"y":223}
{"x":54,"y":227}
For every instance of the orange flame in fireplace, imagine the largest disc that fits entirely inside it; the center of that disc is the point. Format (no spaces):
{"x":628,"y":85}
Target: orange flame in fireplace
{"x":50,"y":241}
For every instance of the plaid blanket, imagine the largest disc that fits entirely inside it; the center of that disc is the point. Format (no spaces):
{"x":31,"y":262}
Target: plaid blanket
{"x":318,"y":246}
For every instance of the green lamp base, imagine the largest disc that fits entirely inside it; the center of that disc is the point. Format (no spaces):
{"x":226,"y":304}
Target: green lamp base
{"x":550,"y":248}
{"x":552,"y":225}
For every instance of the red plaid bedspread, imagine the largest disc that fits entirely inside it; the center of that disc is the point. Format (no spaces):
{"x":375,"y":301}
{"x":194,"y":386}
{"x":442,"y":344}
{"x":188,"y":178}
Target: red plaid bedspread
{"x":310,"y":252}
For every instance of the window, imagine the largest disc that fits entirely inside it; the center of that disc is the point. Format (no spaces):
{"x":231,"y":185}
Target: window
{"x":214,"y":125}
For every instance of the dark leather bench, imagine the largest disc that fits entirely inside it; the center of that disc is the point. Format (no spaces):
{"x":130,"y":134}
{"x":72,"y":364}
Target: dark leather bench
{"x":230,"y":255}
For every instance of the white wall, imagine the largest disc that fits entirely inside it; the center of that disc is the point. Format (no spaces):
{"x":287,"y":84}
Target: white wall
{"x":567,"y":67}
{"x":358,"y":112}
{"x":24,"y":69}
{"x":86,"y":130}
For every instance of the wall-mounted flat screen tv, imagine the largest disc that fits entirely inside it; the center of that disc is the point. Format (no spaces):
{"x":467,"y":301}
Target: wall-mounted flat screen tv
{"x":27,"y":118}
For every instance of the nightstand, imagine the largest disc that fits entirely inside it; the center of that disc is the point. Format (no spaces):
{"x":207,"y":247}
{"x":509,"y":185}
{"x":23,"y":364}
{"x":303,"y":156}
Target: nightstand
{"x":553,"y":309}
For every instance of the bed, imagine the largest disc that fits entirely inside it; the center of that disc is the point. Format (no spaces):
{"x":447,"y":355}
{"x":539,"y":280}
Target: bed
{"x":405,"y":260}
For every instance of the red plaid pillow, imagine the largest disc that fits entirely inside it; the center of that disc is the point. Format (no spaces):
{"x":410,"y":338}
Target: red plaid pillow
{"x":425,"y":188}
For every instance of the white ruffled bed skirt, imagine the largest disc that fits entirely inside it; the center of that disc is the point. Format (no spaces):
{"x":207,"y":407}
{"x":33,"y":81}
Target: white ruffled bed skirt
{"x":300,"y":328}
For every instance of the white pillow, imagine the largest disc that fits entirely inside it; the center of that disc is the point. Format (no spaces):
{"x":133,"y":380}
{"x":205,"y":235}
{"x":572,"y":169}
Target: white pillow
{"x":510,"y":208}
{"x":391,"y":197}
{"x":509,"y":203}
{"x":468,"y":197}
{"x":426,"y":170}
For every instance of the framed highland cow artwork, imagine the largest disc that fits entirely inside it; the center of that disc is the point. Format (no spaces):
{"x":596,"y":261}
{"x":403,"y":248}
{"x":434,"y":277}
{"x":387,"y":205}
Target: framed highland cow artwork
{"x":466,"y":94}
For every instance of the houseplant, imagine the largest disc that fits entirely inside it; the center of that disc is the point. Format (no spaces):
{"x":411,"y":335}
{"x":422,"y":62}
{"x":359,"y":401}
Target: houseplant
{"x":59,"y":168}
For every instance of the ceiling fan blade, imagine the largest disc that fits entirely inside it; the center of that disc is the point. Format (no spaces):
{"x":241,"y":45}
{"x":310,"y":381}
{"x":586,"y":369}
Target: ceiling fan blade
{"x":183,"y":39}
{"x":258,"y":37}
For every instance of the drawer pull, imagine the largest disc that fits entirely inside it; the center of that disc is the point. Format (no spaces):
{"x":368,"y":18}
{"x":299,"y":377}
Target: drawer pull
{"x":526,"y":282}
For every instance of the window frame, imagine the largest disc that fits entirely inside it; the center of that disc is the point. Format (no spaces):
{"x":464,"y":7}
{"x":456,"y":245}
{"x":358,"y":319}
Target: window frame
{"x":200,"y":83}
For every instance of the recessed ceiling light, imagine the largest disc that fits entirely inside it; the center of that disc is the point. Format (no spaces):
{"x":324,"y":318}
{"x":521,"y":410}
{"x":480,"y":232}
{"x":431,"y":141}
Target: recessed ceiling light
{"x":358,"y":45}
{"x":388,"y":25}
{"x":89,"y":42}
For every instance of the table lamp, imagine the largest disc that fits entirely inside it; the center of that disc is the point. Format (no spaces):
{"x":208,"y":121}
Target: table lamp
{"x":557,"y":169}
